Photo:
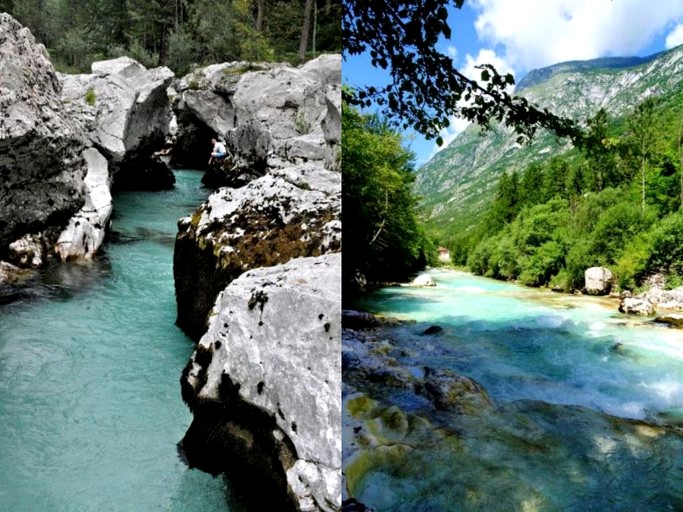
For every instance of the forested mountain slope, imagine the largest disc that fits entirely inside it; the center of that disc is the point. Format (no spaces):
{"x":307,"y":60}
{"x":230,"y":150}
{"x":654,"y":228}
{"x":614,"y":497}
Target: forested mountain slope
{"x":458,"y":183}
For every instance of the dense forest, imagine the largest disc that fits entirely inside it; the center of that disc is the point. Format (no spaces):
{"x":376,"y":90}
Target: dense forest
{"x":180,"y":33}
{"x":383,"y":238}
{"x":615,"y":202}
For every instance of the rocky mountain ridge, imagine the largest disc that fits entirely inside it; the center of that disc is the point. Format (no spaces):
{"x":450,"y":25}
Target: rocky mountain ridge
{"x":459,"y":181}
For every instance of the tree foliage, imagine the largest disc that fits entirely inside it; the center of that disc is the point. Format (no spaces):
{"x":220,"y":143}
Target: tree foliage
{"x":179,"y":33}
{"x":425,"y":88}
{"x":382,"y":236}
{"x":615,"y":203}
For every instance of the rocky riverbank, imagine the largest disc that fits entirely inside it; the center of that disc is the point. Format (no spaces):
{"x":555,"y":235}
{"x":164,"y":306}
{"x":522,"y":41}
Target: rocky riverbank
{"x":531,"y":422}
{"x":258,"y":280}
{"x":65,"y":141}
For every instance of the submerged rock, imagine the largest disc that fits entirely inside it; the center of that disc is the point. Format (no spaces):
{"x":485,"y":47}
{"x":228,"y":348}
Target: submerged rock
{"x":264,"y":386}
{"x":450,"y":391}
{"x":673,"y":319}
{"x":41,"y":163}
{"x":432,"y":329}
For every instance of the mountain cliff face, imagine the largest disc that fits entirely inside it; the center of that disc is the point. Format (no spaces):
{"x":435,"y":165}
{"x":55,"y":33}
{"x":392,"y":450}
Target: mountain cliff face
{"x":458,"y":182}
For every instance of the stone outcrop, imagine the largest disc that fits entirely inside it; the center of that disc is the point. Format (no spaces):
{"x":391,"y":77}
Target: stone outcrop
{"x":269,"y":221}
{"x":41,"y":163}
{"x":452,"y":392}
{"x":125,"y":111}
{"x":269,"y":115}
{"x":653,"y":300}
{"x":598,"y":281}
{"x":87,"y":230}
{"x":673,"y":319}
{"x":637,"y":306}
{"x":264,"y":386}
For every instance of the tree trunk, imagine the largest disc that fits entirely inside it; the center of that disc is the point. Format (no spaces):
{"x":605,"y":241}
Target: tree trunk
{"x":260,"y":14}
{"x":305,"y":29}
{"x":642,"y":187}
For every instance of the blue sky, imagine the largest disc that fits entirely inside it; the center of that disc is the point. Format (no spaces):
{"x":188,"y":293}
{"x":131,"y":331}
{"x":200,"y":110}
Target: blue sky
{"x":521,"y":35}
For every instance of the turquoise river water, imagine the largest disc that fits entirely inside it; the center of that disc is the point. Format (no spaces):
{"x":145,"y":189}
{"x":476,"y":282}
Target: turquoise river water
{"x":587,"y":405}
{"x":90,"y":361}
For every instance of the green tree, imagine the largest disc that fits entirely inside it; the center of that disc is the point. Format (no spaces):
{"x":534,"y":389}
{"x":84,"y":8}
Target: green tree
{"x":381,"y":232}
{"x":640,"y":140}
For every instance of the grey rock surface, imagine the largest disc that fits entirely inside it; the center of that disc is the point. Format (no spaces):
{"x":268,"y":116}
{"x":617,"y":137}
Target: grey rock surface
{"x":41,"y":167}
{"x":264,"y":112}
{"x":598,"y":280}
{"x":87,"y":230}
{"x":125,"y":111}
{"x":265,"y":223}
{"x":276,"y":333}
{"x":637,"y":306}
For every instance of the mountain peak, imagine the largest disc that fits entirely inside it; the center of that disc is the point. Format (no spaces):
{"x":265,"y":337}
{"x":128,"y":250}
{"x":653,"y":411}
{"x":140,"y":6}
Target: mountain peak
{"x":536,"y":76}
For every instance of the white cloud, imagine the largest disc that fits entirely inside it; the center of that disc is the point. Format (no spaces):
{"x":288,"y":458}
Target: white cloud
{"x":452,"y":52}
{"x":675,"y":37}
{"x":536,"y":33}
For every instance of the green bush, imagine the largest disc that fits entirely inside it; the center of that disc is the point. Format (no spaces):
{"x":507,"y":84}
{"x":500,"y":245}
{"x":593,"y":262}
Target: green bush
{"x":90,"y":97}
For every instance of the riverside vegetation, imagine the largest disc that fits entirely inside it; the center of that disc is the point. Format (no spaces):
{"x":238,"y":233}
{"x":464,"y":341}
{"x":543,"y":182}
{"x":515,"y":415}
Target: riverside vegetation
{"x":178,"y":33}
{"x":556,"y":210}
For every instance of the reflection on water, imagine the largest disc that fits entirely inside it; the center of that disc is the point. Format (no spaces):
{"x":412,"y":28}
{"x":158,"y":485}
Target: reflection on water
{"x":586,"y":416}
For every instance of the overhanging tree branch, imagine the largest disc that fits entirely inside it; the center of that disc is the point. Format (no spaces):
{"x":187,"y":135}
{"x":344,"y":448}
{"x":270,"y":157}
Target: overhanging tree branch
{"x":426,"y":89}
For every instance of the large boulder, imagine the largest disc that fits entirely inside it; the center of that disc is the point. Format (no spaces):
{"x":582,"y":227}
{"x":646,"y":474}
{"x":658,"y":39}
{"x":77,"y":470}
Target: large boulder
{"x":598,"y":281}
{"x":637,"y":306}
{"x":267,"y":222}
{"x":267,"y":114}
{"x":125,"y":110}
{"x":265,"y":390}
{"x":41,"y":163}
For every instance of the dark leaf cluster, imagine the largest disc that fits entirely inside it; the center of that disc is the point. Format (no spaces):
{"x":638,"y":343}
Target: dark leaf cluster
{"x":426,"y":88}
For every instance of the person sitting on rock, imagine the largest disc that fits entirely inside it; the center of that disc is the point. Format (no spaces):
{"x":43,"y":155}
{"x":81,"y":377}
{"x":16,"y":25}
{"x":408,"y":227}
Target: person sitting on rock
{"x":218,"y":151}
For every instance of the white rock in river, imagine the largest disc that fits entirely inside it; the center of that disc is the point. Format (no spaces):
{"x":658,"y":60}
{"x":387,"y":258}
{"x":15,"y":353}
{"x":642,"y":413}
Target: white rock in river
{"x":599,"y":280}
{"x":423,"y":280}
{"x":275,"y":333}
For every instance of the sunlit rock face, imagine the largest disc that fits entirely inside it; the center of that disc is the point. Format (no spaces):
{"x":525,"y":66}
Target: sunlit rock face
{"x":264,"y":385}
{"x":267,"y":222}
{"x":125,"y":111}
{"x":41,"y":163}
{"x":270,"y":116}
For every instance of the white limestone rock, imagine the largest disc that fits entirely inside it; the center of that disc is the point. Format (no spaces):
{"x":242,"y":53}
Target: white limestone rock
{"x":598,"y":281}
{"x":87,"y":229}
{"x":122,"y":106}
{"x":290,"y":366}
{"x":41,"y":168}
{"x":637,"y":306}
{"x":423,"y":280}
{"x":265,"y":112}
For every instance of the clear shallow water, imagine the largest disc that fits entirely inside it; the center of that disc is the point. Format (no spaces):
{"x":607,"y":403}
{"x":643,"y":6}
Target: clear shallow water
{"x":588,"y":405}
{"x":90,"y":406}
